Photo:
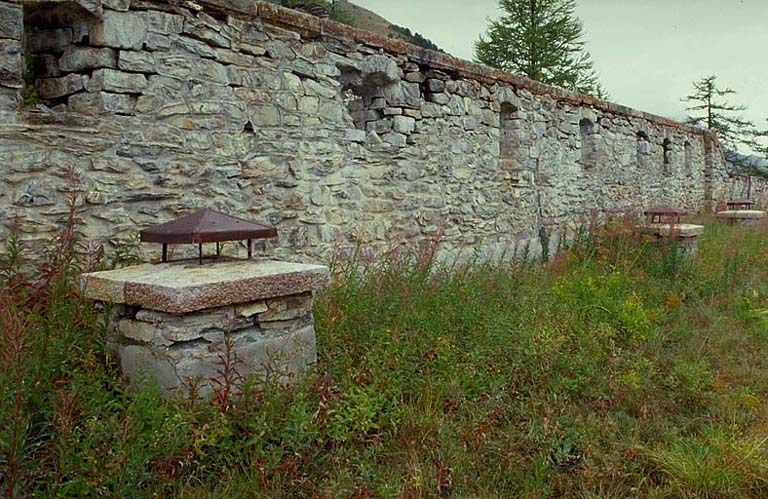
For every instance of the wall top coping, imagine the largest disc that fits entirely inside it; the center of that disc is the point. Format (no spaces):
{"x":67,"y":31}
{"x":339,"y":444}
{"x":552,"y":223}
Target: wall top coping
{"x":184,"y":286}
{"x":312,"y":26}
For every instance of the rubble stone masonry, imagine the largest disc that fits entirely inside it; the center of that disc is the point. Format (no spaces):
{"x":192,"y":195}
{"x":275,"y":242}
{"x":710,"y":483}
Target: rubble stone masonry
{"x":334,"y":135}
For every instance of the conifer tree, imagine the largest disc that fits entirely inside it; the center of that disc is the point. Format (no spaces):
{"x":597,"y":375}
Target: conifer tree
{"x":712,"y":111}
{"x":543,"y":40}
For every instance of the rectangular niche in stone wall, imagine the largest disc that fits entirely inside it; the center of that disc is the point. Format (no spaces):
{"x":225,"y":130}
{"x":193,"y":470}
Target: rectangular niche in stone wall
{"x":588,"y":135}
{"x":53,"y":32}
{"x":510,"y":144}
{"x":643,"y":148}
{"x":667,"y":151}
{"x":378,"y":100}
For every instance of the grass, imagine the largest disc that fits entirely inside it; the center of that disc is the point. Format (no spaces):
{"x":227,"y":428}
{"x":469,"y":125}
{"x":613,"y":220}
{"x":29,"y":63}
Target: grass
{"x":618,"y":369}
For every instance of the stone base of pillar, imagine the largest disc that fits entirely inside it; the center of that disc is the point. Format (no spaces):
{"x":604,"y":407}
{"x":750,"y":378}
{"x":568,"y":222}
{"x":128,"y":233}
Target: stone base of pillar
{"x":181,"y":325}
{"x":742,"y":217}
{"x":687,"y":235}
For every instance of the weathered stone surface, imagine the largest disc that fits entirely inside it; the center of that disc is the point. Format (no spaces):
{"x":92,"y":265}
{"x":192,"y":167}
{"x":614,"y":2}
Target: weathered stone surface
{"x":138,"y":62}
{"x":101,"y":102}
{"x":404,"y":124}
{"x":11,"y":21}
{"x":164,"y":23}
{"x":111,"y":80}
{"x":251,"y":309}
{"x":281,"y":358}
{"x":79,"y":58}
{"x":127,"y":30}
{"x":53,"y":88}
{"x":676,"y":230}
{"x":741,"y":214}
{"x":275,"y":127}
{"x":180,"y":287}
{"x":121,"y":5}
{"x":11,"y":65}
{"x":287,"y":308}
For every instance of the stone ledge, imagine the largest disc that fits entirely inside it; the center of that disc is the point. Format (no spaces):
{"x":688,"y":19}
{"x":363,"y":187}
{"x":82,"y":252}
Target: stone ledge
{"x":741,"y":214}
{"x":678,"y":230}
{"x":185,"y":286}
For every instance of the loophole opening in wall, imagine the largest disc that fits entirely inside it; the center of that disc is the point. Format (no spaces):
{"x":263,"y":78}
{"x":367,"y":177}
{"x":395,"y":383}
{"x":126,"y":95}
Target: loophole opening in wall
{"x":510,"y":143}
{"x":588,"y":136}
{"x":688,"y":156}
{"x":667,"y":151}
{"x":643,"y":147}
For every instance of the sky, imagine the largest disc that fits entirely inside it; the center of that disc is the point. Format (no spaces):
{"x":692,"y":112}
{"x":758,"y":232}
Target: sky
{"x":647,"y":52}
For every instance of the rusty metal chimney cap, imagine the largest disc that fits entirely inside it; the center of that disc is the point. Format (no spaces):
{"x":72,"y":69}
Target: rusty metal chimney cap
{"x":206,"y":226}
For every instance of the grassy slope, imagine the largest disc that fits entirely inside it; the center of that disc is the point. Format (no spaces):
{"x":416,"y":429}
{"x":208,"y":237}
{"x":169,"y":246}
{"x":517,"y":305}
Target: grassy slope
{"x":370,"y":21}
{"x":620,"y":369}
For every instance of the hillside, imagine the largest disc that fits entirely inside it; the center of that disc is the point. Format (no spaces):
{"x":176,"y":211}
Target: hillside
{"x":362,"y":18}
{"x":368,"y":20}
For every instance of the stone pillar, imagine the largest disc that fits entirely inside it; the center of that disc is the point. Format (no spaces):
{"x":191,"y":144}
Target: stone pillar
{"x":742,"y":217}
{"x":687,"y":235}
{"x":11,"y":60}
{"x":177,"y":322}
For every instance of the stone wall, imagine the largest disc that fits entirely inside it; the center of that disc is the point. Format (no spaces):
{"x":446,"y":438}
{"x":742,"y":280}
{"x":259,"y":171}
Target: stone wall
{"x":334,"y":135}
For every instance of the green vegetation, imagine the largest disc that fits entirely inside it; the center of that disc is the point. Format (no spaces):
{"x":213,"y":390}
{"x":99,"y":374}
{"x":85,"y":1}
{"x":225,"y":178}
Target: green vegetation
{"x":416,"y":38}
{"x":543,"y":40}
{"x":30,"y":77}
{"x":710,"y":111}
{"x":335,"y":9}
{"x":618,"y":369}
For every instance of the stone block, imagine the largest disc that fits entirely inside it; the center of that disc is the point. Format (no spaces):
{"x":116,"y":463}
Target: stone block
{"x":381,"y":68}
{"x":11,"y":21}
{"x":271,"y":358}
{"x":676,"y":230}
{"x":157,"y":42}
{"x":741,"y":217}
{"x":101,"y":103}
{"x":251,"y":309}
{"x":208,"y":34}
{"x":182,"y":287}
{"x":112,"y":80}
{"x":125,"y":30}
{"x":10,"y":101}
{"x":441,"y":99}
{"x":287,"y":308}
{"x":403,"y":94}
{"x":54,"y":88}
{"x":121,"y":5}
{"x":404,"y":125}
{"x":435,"y":86}
{"x":354,"y":135}
{"x":11,"y":64}
{"x":396,"y":139}
{"x":379,"y":126}
{"x":164,"y":23}
{"x":264,"y":115}
{"x":79,"y":58}
{"x":138,"y":62}
{"x":50,"y":40}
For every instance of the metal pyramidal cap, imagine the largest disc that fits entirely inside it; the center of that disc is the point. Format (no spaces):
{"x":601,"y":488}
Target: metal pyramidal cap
{"x":206,"y":226}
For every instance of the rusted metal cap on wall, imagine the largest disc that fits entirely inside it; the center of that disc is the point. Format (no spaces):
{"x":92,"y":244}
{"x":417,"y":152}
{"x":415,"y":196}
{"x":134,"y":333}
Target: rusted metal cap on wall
{"x":740,"y":204}
{"x":206,"y":226}
{"x":665,"y":211}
